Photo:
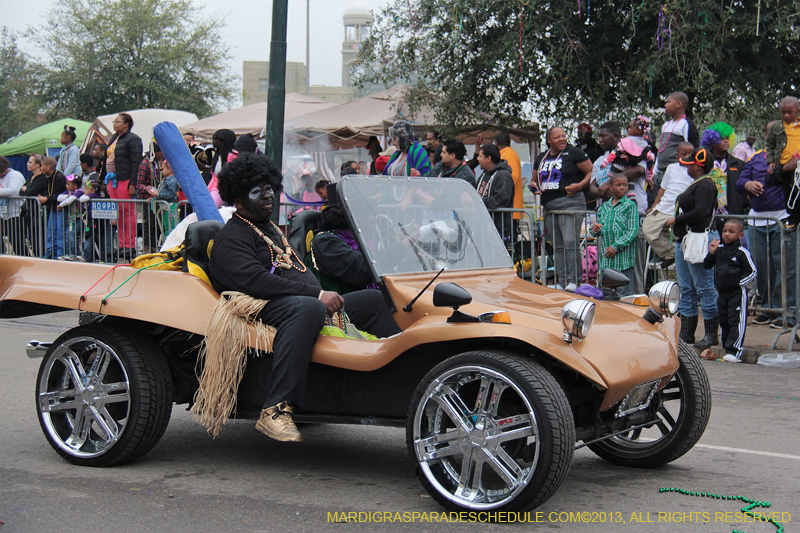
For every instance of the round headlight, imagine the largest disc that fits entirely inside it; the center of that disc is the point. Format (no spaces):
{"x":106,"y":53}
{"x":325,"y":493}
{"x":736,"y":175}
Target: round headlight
{"x":665,"y":297}
{"x":577,"y":317}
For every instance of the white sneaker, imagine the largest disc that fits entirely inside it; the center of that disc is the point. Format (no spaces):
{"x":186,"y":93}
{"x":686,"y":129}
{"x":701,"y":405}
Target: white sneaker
{"x":731,"y":358}
{"x":571,"y":287}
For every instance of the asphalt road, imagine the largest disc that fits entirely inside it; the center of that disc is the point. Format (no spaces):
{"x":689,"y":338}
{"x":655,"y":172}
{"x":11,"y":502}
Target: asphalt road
{"x":244,"y":482}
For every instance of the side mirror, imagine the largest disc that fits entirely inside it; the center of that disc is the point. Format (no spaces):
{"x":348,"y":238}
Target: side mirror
{"x":450,"y":295}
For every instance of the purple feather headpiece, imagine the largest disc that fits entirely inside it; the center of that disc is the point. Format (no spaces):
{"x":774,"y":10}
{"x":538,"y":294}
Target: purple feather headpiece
{"x":710,"y":138}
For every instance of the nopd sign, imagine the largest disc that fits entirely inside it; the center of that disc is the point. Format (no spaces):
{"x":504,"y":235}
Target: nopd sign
{"x":104,"y":210}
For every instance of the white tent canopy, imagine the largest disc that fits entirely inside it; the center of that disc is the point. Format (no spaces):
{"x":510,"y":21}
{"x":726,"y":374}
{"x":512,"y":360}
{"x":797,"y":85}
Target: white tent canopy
{"x":252,"y":118}
{"x":143,"y":122}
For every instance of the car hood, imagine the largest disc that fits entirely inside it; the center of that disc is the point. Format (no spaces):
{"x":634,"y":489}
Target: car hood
{"x":623,"y":348}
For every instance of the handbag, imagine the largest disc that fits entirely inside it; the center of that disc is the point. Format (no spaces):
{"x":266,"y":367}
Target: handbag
{"x":695,"y":247}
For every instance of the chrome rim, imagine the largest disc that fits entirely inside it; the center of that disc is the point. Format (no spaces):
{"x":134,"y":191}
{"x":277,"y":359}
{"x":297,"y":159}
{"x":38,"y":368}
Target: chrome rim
{"x":476,"y":437}
{"x":669,"y":403}
{"x":84,"y":397}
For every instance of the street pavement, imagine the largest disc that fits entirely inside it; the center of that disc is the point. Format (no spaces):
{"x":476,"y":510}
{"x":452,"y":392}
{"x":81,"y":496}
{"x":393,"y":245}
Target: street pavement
{"x":244,"y":482}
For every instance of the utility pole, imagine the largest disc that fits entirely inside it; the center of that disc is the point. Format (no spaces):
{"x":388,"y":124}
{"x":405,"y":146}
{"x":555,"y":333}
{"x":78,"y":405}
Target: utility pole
{"x":276,"y":95}
{"x":308,"y":48}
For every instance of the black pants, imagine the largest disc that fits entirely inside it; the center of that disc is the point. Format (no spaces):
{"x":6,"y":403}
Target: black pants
{"x":298,"y":320}
{"x":732,"y":309}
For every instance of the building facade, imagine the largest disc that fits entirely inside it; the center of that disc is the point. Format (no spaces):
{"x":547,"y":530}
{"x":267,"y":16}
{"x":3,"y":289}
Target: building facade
{"x":357,"y":21}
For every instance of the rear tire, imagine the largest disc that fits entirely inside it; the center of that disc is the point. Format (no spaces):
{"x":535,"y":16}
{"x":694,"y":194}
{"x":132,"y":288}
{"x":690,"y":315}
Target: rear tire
{"x":103,"y":395}
{"x":490,"y":431}
{"x":683,"y":407}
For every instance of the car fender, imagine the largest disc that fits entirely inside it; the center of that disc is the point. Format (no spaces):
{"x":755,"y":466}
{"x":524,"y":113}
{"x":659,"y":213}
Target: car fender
{"x":371,"y":355}
{"x":175,"y":299}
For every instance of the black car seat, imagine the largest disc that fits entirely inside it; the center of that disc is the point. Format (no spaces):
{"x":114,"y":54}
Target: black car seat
{"x":197,"y":247}
{"x":299,"y":225}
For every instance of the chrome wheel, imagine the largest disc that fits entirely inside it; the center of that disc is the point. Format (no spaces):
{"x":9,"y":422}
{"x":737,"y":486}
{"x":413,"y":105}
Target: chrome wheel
{"x":682,"y":407}
{"x":481,"y":435}
{"x":104,"y":395}
{"x":84,"y":397}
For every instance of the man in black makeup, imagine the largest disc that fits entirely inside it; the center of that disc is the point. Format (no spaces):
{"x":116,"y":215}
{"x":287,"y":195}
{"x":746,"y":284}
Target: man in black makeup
{"x":252,"y":256}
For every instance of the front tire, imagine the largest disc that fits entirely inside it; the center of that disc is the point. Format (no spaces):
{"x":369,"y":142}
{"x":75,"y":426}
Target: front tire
{"x":683,"y":407}
{"x":103,"y":395}
{"x":490,"y":431}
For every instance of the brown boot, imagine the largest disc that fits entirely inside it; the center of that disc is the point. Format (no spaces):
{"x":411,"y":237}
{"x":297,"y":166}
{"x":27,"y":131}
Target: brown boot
{"x":276,"y":423}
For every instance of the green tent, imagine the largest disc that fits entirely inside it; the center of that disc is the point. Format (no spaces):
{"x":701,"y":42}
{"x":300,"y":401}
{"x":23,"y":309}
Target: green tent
{"x":39,"y":140}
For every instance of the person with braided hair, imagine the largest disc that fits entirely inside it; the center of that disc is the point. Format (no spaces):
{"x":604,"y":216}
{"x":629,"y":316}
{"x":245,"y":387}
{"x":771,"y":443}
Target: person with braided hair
{"x":69,"y":157}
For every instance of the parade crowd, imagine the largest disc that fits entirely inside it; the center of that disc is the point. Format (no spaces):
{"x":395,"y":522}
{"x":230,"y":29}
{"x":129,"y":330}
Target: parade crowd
{"x":721,"y":213}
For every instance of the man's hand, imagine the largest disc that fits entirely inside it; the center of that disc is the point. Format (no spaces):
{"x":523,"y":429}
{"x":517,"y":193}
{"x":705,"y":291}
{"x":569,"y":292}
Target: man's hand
{"x":597,"y":227}
{"x":671,"y":221}
{"x":332,"y":301}
{"x":754,"y":187}
{"x":610,"y":252}
{"x":42,"y":199}
{"x":573,"y":188}
{"x":712,"y":246}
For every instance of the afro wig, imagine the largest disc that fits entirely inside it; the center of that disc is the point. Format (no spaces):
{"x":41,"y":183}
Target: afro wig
{"x":716,"y":132}
{"x":245,"y":172}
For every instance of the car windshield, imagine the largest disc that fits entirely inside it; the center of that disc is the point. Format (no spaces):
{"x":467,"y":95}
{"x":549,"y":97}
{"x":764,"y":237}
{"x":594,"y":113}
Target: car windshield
{"x":411,"y":225}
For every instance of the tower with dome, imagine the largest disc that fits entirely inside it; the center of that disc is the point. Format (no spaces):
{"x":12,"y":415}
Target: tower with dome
{"x":357,"y":24}
{"x":357,"y":27}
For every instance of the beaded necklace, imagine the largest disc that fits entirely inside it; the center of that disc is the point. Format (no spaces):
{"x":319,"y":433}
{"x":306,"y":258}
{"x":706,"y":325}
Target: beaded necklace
{"x":661,"y":138}
{"x":747,"y":509}
{"x":52,"y":185}
{"x":284,"y":256}
{"x":695,"y":182}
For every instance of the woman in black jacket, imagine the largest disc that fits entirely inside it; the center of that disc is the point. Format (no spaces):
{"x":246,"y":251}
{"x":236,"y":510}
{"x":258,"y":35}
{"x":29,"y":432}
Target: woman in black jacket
{"x":33,"y":214}
{"x":123,"y":156}
{"x":695,"y":213}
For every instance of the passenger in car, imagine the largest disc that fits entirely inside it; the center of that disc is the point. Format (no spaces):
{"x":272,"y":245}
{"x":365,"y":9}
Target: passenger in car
{"x":335,"y":257}
{"x":252,"y":256}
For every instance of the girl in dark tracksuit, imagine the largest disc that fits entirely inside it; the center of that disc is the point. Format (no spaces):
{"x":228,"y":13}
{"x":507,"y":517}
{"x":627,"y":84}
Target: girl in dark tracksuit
{"x":734,"y":270}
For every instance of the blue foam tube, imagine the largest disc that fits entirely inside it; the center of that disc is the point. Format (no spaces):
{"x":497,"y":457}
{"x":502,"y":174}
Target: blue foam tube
{"x":170,"y":140}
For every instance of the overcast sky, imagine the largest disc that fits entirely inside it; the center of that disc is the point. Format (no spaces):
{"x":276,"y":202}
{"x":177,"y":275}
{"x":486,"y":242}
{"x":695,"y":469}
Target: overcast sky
{"x":247,"y":30}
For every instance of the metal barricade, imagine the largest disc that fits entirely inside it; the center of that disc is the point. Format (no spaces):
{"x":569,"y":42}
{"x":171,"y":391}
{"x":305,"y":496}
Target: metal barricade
{"x":761,"y":244}
{"x":520,"y":239}
{"x":568,"y":232}
{"x":24,"y":226}
{"x":99,"y":230}
{"x":776,"y":253}
{"x":576,"y":253}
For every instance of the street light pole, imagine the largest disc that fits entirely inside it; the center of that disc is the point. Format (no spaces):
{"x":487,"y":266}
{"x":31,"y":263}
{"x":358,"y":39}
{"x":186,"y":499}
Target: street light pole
{"x":308,"y":48}
{"x":276,"y":95}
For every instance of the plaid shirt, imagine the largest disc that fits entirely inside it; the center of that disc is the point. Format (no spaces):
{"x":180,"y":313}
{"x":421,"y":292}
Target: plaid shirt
{"x":620,"y":226}
{"x":148,"y":176}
